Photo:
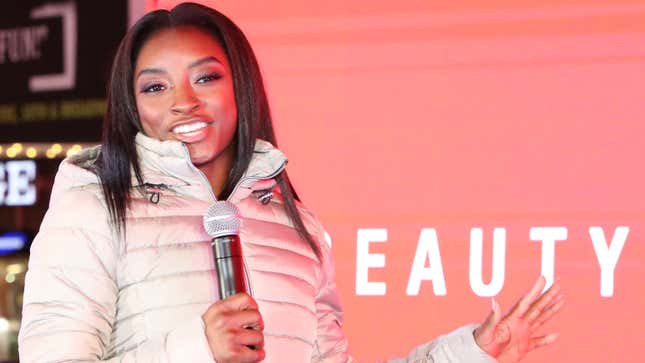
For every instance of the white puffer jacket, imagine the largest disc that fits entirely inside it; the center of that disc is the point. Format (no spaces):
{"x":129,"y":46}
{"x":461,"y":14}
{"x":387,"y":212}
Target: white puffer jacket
{"x":92,"y":297}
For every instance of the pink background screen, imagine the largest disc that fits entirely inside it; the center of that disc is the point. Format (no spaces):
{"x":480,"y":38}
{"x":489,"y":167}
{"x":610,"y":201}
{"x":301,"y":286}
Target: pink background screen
{"x":410,"y":115}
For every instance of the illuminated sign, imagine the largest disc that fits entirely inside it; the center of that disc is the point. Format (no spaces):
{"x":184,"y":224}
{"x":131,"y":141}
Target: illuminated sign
{"x":17,"y":183}
{"x":23,"y":44}
{"x":427,"y":261}
{"x":11,"y":242}
{"x":56,"y":65}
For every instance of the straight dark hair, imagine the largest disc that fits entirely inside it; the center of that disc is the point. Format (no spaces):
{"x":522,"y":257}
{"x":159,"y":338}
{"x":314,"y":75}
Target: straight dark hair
{"x":118,"y":158}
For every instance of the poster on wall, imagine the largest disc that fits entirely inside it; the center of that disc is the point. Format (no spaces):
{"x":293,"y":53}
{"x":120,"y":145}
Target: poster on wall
{"x":54,"y":62}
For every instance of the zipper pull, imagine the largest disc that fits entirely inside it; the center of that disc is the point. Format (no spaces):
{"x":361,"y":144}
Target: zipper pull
{"x":264,"y":195}
{"x":155,"y":191}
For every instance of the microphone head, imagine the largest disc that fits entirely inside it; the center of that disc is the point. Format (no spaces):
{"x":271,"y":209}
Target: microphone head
{"x":222,"y":218}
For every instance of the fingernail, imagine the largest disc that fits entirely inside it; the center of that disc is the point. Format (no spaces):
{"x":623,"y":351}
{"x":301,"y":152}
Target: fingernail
{"x":492,"y":301}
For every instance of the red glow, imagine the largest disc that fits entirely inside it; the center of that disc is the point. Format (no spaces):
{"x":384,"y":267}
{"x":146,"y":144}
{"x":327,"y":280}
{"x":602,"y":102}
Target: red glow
{"x":452,"y":115}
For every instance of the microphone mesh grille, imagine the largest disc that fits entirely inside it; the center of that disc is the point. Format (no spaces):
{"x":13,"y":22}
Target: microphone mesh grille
{"x":222,"y":218}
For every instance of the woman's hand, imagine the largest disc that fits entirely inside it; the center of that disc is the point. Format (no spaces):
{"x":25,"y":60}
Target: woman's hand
{"x":234,"y":330}
{"x":509,"y":338}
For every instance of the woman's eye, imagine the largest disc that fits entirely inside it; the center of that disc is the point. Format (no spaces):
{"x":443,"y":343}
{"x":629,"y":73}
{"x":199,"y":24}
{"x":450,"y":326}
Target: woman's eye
{"x":208,"y":78}
{"x":153,"y":88}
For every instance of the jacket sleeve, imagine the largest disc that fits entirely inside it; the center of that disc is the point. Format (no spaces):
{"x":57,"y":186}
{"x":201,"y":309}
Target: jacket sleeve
{"x":69,"y":303}
{"x":331,"y":344}
{"x":458,"y":346}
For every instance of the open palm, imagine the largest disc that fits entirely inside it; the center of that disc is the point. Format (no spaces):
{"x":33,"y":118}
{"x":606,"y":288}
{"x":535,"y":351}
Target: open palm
{"x":509,"y":338}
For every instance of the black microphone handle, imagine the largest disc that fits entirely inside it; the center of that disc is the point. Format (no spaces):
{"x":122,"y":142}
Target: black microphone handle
{"x":227,"y":251}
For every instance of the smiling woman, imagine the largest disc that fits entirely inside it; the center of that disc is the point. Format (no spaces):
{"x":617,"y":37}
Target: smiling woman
{"x":122,"y":268}
{"x":184,"y":92}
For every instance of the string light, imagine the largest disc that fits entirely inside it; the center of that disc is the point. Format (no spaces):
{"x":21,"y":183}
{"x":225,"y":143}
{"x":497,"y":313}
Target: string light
{"x":11,"y":152}
{"x":53,"y":151}
{"x":17,"y":146}
{"x":75,"y":149}
{"x":15,"y":268}
{"x":39,"y":150}
{"x":31,"y":152}
{"x":10,"y":278}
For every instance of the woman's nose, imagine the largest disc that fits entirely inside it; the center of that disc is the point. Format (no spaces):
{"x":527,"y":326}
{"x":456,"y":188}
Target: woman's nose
{"x":186,"y":100}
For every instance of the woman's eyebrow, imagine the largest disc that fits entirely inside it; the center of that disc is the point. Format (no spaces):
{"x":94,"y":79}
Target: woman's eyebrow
{"x":194,"y":64}
{"x":150,"y":71}
{"x":201,"y":61}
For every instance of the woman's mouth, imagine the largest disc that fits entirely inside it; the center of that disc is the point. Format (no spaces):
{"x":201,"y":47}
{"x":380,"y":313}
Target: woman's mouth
{"x":190,"y":132}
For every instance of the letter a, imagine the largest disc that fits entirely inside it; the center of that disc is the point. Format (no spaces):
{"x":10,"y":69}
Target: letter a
{"x":427,"y":249}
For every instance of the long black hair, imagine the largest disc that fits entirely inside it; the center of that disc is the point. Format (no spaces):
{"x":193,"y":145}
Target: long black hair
{"x":118,"y":156}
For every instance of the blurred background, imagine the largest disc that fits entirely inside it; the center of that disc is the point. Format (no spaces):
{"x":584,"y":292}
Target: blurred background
{"x":410,"y":126}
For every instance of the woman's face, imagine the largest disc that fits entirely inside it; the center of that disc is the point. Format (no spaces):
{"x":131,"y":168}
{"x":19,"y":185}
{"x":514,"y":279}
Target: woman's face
{"x":184,"y":91}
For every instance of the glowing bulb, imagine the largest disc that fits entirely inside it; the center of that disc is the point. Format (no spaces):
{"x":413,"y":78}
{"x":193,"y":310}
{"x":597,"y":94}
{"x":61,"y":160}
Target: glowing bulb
{"x":77,"y":147}
{"x":10,"y":278}
{"x":50,"y":154}
{"x":31,"y":152}
{"x":15,"y":268}
{"x":17,"y":146}
{"x":11,"y":152}
{"x":56,"y":148}
{"x":71,"y":152}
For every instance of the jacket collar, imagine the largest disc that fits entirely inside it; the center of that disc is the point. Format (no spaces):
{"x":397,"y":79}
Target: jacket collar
{"x":168,"y":163}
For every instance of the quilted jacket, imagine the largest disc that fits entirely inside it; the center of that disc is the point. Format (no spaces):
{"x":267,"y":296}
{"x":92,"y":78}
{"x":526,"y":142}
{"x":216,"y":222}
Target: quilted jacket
{"x":93,"y":296}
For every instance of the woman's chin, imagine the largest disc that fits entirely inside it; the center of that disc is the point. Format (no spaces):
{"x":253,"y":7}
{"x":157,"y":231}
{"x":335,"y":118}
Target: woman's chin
{"x":202,"y":159}
{"x":211,"y":157}
{"x":199,"y":160}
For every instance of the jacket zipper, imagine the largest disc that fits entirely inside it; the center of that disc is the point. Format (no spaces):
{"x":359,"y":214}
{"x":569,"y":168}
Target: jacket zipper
{"x":201,"y":174}
{"x":240,"y":182}
{"x":214,"y":198}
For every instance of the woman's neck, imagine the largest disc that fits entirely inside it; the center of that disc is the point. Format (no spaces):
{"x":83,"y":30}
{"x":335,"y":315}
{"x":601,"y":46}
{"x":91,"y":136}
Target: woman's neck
{"x":217,"y":170}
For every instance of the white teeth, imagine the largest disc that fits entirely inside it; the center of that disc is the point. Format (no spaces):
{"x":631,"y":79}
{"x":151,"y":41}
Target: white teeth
{"x":184,"y":129}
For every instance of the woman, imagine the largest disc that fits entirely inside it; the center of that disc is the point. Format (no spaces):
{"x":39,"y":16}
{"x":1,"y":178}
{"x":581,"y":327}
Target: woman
{"x":122,"y":268}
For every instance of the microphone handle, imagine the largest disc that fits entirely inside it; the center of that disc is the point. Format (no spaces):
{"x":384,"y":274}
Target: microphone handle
{"x":229,"y":265}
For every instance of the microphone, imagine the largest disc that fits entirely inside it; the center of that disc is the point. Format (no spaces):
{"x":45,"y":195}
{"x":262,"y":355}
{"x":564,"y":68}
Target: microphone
{"x":222,"y":223}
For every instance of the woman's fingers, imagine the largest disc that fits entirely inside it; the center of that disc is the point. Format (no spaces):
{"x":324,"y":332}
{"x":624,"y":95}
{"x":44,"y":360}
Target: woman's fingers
{"x":234,"y":328}
{"x":545,"y":300}
{"x":537,"y":342}
{"x":548,"y":312}
{"x":484,"y":335}
{"x":525,"y":302}
{"x":494,"y":317}
{"x":510,"y":337}
{"x":239,"y":301}
{"x":249,"y":337}
{"x":245,"y":352}
{"x":246,"y":319}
